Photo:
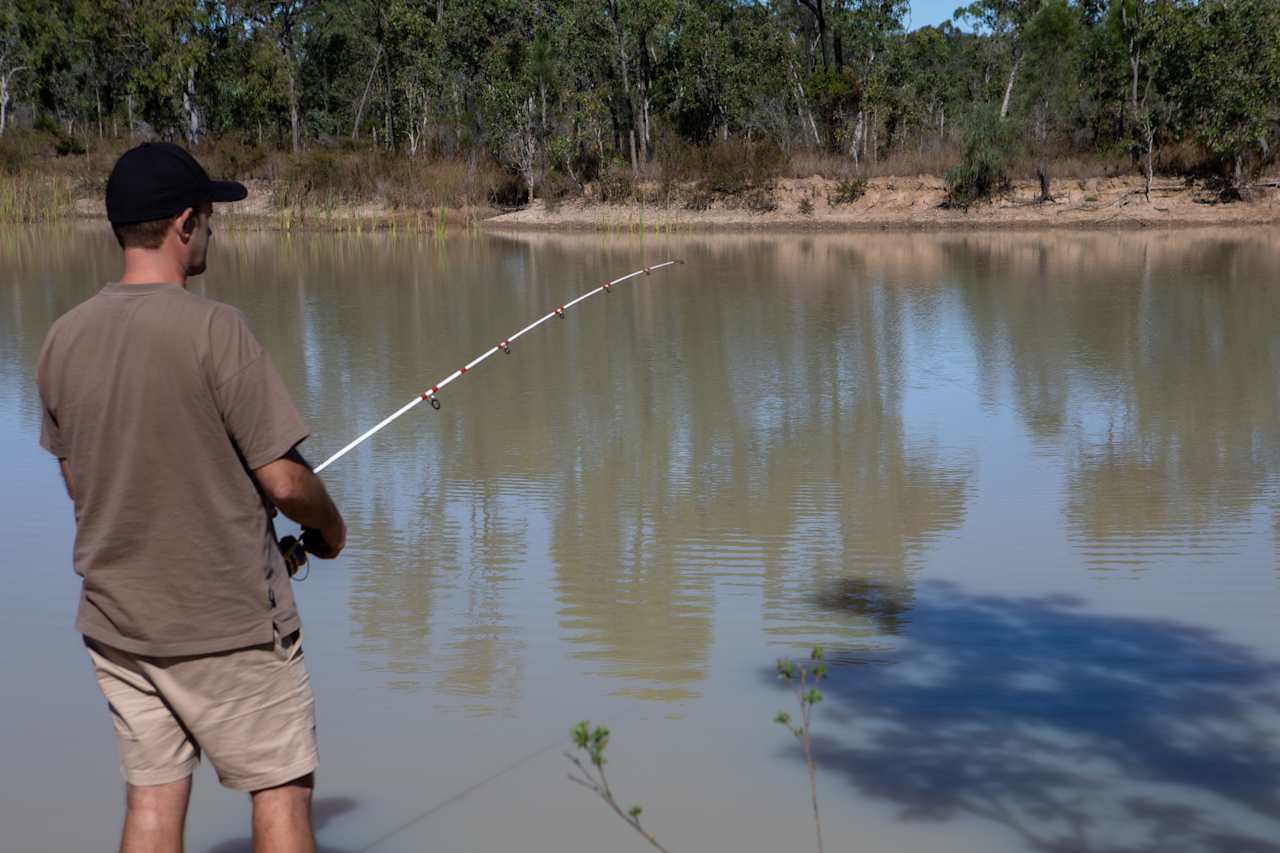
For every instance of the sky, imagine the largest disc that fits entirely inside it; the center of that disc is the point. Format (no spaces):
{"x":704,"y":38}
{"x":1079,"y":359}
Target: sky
{"x":926,"y":12}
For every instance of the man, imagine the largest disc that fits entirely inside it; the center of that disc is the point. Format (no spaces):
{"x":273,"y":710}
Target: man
{"x":176,"y":438}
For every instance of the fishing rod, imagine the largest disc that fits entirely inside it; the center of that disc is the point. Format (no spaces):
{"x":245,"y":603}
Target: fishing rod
{"x":295,"y":556}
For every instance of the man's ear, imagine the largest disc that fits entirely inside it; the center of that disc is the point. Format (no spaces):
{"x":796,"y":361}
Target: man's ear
{"x":186,"y":223}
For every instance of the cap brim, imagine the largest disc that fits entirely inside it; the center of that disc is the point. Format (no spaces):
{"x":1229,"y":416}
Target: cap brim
{"x":222,"y":191}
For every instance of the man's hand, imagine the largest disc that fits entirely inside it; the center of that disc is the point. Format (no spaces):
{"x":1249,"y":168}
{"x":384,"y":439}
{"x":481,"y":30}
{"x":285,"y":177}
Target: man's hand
{"x":322,"y":546}
{"x":300,"y":494}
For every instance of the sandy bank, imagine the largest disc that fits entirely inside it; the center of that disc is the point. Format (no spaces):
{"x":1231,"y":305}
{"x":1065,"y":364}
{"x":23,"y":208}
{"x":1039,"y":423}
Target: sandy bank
{"x":901,"y":203}
{"x":916,"y":203}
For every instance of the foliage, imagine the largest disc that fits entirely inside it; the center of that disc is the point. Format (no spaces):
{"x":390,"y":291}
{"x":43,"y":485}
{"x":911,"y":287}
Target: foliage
{"x":806,"y":207}
{"x":592,"y":776}
{"x":983,"y":171}
{"x":848,"y":191}
{"x":761,"y":201}
{"x":1224,"y":72}
{"x":699,"y":199}
{"x":714,"y":92}
{"x":738,"y":165}
{"x":804,"y":677}
{"x":616,"y":184}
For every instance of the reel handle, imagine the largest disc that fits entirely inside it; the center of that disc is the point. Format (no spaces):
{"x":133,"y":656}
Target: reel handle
{"x":295,"y":556}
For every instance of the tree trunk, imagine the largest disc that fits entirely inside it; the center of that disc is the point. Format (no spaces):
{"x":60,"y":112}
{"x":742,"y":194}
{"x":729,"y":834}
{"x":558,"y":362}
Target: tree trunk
{"x":1008,"y":89}
{"x":1042,"y":172}
{"x":129,"y":105}
{"x":815,"y":7}
{"x":635,"y":165}
{"x":4,"y":101}
{"x":646,"y":138}
{"x":439,"y":11}
{"x":1148,"y":173}
{"x":295,"y":131}
{"x":802,"y":105}
{"x":373,"y":69}
{"x":859,"y":129}
{"x":1135,"y":62}
{"x":189,"y":107}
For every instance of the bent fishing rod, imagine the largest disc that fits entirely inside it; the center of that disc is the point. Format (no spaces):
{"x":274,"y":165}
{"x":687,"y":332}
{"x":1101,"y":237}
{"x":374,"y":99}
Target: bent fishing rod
{"x":295,"y":556}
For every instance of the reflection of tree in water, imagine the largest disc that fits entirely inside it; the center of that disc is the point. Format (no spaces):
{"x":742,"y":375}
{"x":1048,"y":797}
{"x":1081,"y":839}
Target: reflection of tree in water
{"x":34,"y":293}
{"x":1155,"y":364}
{"x":765,"y":444}
{"x":735,"y":421}
{"x":1078,"y":732}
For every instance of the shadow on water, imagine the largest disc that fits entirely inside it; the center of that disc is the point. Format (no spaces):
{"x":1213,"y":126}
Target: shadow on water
{"x":323,"y":811}
{"x":1077,"y":731}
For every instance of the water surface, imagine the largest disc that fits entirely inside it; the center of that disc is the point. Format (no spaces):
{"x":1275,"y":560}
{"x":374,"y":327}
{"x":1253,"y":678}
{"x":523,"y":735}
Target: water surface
{"x":1024,"y":488}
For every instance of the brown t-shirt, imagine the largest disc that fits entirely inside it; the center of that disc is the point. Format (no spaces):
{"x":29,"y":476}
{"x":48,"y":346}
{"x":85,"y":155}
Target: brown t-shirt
{"x":162,"y":402}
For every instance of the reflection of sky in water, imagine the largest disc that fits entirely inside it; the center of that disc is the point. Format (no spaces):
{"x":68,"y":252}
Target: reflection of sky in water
{"x":900,"y":446}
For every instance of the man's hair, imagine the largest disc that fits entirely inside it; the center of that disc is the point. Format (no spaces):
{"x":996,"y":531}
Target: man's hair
{"x":143,"y":235}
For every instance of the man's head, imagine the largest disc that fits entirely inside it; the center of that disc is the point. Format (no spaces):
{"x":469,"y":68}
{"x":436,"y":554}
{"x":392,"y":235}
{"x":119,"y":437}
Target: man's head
{"x":159,"y":201}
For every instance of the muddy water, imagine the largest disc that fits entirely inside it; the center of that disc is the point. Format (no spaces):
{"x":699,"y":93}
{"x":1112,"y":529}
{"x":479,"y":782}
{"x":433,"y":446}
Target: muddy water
{"x":1024,"y":488}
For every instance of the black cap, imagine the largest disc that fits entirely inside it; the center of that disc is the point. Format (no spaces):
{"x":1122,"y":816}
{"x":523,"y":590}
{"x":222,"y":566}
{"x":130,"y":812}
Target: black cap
{"x":157,"y":180}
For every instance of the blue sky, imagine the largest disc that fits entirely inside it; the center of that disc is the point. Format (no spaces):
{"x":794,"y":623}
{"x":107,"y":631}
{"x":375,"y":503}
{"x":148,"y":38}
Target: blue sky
{"x":926,"y":12}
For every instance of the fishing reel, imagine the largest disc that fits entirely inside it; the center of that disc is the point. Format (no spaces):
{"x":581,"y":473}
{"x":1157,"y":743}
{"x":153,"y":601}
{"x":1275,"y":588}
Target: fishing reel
{"x":295,"y":556}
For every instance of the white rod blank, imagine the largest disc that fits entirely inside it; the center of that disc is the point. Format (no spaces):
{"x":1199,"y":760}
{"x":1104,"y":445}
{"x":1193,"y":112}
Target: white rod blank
{"x":504,"y":346}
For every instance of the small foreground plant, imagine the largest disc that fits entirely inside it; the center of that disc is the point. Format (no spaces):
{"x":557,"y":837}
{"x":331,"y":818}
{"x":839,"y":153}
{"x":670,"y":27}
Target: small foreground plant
{"x":593,"y":741}
{"x":804,"y":677}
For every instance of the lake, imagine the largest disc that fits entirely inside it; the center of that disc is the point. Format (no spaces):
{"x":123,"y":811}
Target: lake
{"x":1023,"y":488}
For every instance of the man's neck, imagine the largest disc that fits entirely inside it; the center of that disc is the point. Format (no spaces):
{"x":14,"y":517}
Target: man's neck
{"x":144,"y":266}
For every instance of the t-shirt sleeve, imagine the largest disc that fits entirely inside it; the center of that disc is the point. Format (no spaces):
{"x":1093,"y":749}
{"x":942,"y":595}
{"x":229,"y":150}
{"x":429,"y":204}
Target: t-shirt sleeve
{"x":51,"y":438}
{"x":250,"y":394}
{"x":50,"y":435}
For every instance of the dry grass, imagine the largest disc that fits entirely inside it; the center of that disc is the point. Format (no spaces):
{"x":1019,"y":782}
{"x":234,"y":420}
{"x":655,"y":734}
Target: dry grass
{"x":936,"y":161}
{"x":35,"y":198}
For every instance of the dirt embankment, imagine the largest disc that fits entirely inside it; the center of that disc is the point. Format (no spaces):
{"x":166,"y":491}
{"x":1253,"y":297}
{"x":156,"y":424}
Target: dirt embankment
{"x":902,"y":203}
{"x":917,"y":203}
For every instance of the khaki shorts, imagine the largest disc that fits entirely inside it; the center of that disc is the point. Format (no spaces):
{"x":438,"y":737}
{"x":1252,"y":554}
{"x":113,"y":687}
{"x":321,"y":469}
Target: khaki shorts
{"x":250,"y":709}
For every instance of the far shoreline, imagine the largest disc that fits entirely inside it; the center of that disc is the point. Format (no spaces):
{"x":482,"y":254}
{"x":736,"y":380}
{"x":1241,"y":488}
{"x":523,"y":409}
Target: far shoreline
{"x":897,"y":204}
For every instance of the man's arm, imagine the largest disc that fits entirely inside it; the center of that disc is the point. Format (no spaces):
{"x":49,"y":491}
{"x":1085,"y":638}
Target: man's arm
{"x":66,"y":478}
{"x":301,"y":495}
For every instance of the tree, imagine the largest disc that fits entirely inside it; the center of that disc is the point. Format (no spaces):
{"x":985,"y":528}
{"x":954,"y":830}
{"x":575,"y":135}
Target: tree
{"x":13,"y":58}
{"x":1138,"y":23}
{"x":285,"y":21}
{"x":1004,"y":21}
{"x":1223,"y":61}
{"x":1050,"y":41}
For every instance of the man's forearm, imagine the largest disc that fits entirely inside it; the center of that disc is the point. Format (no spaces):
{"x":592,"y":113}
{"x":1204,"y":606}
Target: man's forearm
{"x":301,"y":495}
{"x":309,"y":504}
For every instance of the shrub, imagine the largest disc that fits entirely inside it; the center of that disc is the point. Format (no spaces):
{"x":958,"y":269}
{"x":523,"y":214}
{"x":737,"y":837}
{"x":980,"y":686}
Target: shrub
{"x":761,"y":201}
{"x":699,"y":199}
{"x":983,"y":170}
{"x":806,"y":207}
{"x":231,"y":160}
{"x":556,"y":186}
{"x":616,"y":183}
{"x":737,"y":166}
{"x":508,"y":191}
{"x":848,"y":191}
{"x":13,"y":156}
{"x":327,"y":177}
